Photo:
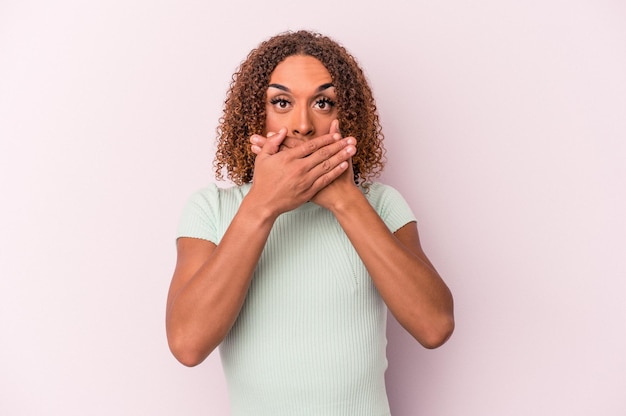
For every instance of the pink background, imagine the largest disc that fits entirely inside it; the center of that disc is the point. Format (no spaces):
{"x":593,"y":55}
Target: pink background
{"x":506,"y":130}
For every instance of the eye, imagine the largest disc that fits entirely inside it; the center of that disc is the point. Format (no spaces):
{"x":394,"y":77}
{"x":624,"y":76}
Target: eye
{"x":324,"y":104}
{"x":280,"y":102}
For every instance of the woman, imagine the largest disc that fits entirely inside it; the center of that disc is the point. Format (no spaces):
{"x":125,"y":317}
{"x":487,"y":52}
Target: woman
{"x":291,"y":270}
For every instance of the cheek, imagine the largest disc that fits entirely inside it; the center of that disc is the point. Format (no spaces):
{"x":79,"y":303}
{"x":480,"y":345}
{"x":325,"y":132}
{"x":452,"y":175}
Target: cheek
{"x":322,"y":124}
{"x":272,"y":123}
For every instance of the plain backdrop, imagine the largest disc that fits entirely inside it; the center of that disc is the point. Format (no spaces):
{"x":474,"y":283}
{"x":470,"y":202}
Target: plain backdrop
{"x":505,"y":127}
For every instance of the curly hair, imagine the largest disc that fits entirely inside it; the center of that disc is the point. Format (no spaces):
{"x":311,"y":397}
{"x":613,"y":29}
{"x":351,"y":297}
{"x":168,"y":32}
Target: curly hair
{"x":244,"y":107}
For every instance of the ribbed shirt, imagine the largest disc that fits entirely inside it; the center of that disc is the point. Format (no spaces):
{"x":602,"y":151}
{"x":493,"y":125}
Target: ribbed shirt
{"x":310,"y":338}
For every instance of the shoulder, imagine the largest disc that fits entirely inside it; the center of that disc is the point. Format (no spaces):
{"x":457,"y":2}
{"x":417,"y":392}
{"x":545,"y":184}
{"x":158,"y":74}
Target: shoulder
{"x":379,"y":193}
{"x":213,"y":195}
{"x":389,"y":204}
{"x":208,"y":209}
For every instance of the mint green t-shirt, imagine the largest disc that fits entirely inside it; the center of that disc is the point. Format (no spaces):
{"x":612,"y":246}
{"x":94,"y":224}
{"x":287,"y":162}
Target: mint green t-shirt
{"x":311,"y":336}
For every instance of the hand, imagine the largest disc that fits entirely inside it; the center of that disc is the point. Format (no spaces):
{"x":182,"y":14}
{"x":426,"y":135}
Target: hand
{"x":286,"y":179}
{"x":343,"y":184}
{"x":257,"y":142}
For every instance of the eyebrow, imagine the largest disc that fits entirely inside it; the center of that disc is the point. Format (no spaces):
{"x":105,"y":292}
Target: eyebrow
{"x":319,"y":89}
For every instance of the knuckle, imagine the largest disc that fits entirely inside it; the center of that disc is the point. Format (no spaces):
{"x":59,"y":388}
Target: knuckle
{"x":300,"y":171}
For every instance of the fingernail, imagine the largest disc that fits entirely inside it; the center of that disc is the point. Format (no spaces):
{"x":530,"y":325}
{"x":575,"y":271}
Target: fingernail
{"x":254,"y":139}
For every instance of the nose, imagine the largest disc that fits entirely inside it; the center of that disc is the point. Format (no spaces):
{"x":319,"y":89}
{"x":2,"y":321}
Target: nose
{"x":302,"y":123}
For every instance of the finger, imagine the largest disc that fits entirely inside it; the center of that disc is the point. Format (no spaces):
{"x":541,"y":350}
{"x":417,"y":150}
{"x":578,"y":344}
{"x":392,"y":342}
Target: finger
{"x":256,"y":149}
{"x":324,"y":180}
{"x":332,"y":154}
{"x":334,"y":127}
{"x":257,"y":142}
{"x":336,"y":158}
{"x":311,"y":146}
{"x":290,"y":143}
{"x":259,"y":139}
{"x":272,"y":144}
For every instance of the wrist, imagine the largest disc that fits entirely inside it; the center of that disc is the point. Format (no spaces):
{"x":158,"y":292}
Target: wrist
{"x":258,"y":209}
{"x":351,"y":198}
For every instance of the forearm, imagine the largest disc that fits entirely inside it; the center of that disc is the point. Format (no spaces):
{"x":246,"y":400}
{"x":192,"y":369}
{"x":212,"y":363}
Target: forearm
{"x":412,"y":289}
{"x":203,"y":309}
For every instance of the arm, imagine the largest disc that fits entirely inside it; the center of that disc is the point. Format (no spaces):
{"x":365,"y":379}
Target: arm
{"x":210,"y":281}
{"x":405,"y":278}
{"x":408,"y":283}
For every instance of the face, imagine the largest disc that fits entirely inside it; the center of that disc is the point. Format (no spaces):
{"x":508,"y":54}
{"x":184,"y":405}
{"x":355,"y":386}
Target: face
{"x":301,"y":98}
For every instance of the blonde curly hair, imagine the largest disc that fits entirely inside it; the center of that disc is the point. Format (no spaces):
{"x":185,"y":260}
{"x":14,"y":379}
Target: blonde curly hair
{"x":244,"y":107}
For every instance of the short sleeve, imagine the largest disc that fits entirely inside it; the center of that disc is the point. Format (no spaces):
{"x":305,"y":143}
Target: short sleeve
{"x":390,"y":205}
{"x":199,"y":216}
